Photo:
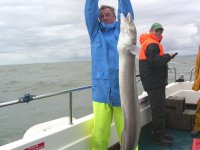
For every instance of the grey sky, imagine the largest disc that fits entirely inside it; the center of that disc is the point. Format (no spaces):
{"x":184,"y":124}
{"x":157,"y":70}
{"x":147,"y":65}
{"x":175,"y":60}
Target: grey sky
{"x":33,"y":31}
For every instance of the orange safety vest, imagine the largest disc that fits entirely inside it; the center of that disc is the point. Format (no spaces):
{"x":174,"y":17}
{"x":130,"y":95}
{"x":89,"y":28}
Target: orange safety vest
{"x":142,"y":54}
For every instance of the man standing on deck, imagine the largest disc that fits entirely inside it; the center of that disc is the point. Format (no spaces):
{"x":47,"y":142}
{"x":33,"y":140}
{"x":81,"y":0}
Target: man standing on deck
{"x":154,"y":75}
{"x":104,"y":32}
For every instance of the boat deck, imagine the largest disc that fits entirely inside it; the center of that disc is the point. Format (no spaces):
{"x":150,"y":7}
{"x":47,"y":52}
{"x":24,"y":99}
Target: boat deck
{"x":182,"y":140}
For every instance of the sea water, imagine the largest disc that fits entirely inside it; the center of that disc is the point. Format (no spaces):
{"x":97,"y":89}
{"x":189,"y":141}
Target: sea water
{"x":39,"y":79}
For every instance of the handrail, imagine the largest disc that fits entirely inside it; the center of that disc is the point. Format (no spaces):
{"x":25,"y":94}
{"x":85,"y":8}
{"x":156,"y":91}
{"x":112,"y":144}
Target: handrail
{"x":46,"y":95}
{"x":174,"y":72}
{"x":191,"y":73}
{"x":34,"y":97}
{"x":49,"y":95}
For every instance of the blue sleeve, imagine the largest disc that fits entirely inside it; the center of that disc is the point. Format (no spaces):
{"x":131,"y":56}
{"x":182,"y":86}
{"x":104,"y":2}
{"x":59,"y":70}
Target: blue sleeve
{"x":124,"y":6}
{"x":91,"y":17}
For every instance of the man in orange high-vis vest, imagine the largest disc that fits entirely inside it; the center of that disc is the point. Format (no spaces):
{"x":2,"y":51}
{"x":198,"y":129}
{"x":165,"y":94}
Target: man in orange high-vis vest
{"x":154,"y":74}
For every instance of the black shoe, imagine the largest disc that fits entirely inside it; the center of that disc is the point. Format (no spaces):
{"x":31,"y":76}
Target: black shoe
{"x":169,"y":137}
{"x":162,"y":142}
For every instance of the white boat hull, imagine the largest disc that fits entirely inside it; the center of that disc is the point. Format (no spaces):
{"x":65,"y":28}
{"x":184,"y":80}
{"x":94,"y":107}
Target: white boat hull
{"x":59,"y":134}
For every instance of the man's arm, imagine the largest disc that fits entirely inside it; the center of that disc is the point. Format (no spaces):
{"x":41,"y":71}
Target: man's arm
{"x":91,"y":16}
{"x":153,"y":57}
{"x":124,"y":6}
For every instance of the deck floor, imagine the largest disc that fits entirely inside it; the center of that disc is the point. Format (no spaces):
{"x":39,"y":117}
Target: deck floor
{"x":182,"y":140}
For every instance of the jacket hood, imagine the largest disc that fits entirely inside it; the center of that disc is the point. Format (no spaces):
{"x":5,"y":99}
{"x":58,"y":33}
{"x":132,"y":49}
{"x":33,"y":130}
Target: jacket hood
{"x":145,"y":37}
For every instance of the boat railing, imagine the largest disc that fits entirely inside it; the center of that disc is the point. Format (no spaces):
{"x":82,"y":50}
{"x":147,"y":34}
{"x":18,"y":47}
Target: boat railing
{"x":27,"y":98}
{"x":191,"y":71}
{"x":174,"y":68}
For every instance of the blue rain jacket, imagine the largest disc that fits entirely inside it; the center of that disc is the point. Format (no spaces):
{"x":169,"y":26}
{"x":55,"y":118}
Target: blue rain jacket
{"x":105,"y":59}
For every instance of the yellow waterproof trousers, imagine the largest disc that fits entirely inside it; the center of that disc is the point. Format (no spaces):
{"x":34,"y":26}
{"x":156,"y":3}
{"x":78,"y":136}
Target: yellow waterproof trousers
{"x":103,"y":114}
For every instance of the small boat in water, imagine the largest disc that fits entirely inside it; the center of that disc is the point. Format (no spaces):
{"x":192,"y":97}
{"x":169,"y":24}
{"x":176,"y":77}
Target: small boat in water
{"x":68,"y":133}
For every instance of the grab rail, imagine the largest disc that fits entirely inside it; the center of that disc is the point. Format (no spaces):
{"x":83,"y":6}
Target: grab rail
{"x":50,"y":95}
{"x":70,"y":91}
{"x":191,"y":73}
{"x":174,"y":72}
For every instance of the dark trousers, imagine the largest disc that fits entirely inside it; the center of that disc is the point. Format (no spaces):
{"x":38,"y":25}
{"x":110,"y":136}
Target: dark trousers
{"x":157,"y":104}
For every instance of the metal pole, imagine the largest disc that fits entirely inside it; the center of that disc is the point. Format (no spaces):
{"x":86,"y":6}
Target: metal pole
{"x":9,"y":103}
{"x":70,"y":108}
{"x":174,"y":72}
{"x":45,"y":96}
{"x":191,"y":73}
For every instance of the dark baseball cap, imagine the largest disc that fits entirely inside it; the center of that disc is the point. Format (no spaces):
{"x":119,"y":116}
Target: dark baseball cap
{"x":156,"y":26}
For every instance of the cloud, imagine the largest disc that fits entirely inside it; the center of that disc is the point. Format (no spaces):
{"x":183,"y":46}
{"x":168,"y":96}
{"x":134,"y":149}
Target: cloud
{"x":179,"y":18}
{"x":54,"y":30}
{"x":38,"y":31}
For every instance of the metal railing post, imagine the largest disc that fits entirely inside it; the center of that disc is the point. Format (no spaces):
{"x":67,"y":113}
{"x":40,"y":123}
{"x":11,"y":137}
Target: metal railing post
{"x":70,"y":108}
{"x":174,"y":72}
{"x":191,"y":73}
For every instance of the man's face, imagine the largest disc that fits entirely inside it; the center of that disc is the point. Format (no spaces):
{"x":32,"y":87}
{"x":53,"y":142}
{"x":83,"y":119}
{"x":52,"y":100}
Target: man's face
{"x":107,"y":16}
{"x":158,"y":33}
